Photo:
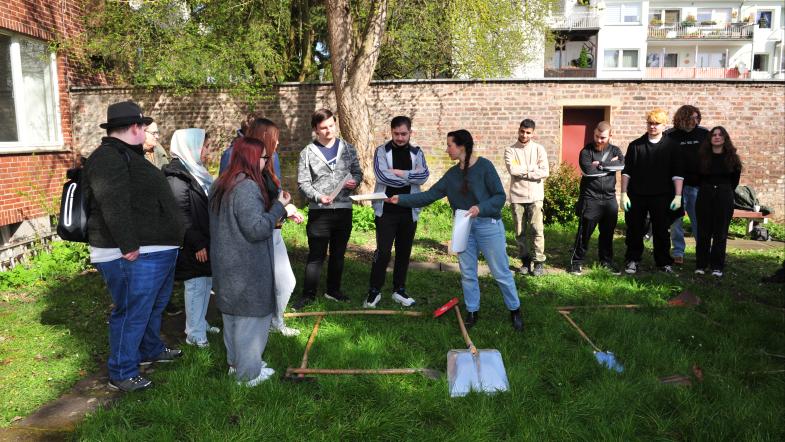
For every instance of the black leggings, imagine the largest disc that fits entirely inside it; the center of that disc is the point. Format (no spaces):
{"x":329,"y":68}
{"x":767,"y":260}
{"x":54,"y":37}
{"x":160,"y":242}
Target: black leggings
{"x":714,"y":210}
{"x":398,"y":228}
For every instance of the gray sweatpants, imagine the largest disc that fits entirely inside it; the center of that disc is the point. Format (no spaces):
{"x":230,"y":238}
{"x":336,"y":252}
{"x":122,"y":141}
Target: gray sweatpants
{"x":245,"y":338}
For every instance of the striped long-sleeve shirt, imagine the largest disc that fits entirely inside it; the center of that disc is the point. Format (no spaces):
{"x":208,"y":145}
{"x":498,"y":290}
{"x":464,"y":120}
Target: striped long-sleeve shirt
{"x":414,"y":178}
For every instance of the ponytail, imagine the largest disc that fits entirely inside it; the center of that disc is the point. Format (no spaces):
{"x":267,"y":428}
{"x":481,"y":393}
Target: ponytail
{"x":462,"y":137}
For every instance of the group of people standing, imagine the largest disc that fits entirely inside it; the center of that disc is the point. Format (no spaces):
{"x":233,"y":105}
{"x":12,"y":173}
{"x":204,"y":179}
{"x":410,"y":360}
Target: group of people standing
{"x":222,"y":236}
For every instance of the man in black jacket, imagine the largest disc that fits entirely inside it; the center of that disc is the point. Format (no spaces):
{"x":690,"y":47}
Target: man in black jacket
{"x":599,"y":162}
{"x":134,"y":232}
{"x":651,"y":185}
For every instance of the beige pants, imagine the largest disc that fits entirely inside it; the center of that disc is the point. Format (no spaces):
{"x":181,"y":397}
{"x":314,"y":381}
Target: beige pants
{"x":528,"y":219}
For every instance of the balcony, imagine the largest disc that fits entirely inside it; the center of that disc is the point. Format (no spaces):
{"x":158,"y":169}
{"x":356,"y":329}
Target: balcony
{"x":727,"y":31}
{"x":575,"y":20}
{"x":709,"y":73}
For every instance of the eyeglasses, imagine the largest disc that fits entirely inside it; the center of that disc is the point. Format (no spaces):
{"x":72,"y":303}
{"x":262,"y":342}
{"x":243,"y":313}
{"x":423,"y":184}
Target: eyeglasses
{"x":265,"y":157}
{"x":696,"y":118}
{"x":652,"y":123}
{"x":154,"y":133}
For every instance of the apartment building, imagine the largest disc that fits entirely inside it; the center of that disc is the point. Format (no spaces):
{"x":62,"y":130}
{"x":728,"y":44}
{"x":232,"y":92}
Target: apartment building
{"x":665,"y":39}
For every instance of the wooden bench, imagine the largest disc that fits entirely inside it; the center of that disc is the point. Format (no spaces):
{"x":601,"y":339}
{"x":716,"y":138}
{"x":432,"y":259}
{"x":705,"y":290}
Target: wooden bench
{"x":753,"y":217}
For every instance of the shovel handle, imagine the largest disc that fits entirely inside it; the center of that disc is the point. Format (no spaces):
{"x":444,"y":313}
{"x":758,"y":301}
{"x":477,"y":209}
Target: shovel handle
{"x":465,"y":333}
{"x":566,"y":315}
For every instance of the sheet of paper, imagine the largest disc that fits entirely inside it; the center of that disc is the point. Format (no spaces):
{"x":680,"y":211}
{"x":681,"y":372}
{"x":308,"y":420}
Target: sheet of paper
{"x":369,"y":197}
{"x":461,"y":226}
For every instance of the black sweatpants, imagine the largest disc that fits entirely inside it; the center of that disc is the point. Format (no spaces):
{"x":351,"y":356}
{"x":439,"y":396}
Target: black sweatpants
{"x":714,"y":210}
{"x":596,"y":212}
{"x":326,"y":228}
{"x":398,"y":228}
{"x":657,"y":207}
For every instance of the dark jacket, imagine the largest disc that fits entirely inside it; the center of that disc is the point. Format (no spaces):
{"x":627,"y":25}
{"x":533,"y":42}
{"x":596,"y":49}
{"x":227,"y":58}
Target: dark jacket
{"x":652,"y":166}
{"x":689,"y":142}
{"x":192,"y":202}
{"x":131,"y":204}
{"x":597,"y":183}
{"x":241,"y":235}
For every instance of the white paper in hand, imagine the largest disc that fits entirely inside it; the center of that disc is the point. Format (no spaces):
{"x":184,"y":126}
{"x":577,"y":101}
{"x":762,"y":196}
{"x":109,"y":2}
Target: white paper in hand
{"x":460,"y":230}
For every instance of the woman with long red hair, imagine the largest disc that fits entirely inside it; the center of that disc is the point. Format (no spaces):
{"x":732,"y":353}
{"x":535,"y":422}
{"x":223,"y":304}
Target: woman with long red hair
{"x":244,"y":211}
{"x":266,"y":131}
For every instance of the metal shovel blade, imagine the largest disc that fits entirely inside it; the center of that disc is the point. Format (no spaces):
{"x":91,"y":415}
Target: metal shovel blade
{"x":608,"y":359}
{"x":483,"y":373}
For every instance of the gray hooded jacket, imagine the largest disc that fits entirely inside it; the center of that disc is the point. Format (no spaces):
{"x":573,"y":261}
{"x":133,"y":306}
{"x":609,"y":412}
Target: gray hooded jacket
{"x":316,"y":178}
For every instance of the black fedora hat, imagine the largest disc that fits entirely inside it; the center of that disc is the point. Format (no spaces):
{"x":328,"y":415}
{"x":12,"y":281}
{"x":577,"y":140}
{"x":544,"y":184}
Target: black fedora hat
{"x":124,"y":113}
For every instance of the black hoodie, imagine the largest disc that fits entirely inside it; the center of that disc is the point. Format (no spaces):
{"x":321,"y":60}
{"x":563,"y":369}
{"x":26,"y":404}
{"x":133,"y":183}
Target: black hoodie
{"x":597,"y":183}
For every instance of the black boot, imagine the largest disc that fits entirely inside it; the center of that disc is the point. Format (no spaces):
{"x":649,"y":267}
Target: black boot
{"x":471,"y":319}
{"x":526,"y":267}
{"x":517,"y":319}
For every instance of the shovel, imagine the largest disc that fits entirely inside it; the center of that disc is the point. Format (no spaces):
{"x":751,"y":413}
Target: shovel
{"x":605,"y":358}
{"x":473,"y":369}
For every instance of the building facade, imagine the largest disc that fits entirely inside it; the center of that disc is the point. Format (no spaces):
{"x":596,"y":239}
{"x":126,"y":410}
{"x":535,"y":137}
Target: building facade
{"x":35,"y":116}
{"x":713,"y":39}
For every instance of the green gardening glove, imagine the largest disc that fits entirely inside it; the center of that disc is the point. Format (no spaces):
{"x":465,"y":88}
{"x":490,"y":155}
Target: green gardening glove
{"x":625,"y":202}
{"x":676,"y":203}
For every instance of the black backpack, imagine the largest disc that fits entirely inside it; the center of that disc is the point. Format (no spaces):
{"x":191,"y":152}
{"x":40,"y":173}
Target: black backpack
{"x":75,"y":205}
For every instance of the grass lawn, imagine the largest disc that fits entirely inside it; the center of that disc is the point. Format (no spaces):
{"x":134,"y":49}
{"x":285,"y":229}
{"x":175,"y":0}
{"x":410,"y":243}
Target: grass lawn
{"x":558,"y":391}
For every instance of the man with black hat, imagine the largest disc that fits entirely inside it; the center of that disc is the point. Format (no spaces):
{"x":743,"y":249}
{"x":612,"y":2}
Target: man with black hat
{"x":134,"y":232}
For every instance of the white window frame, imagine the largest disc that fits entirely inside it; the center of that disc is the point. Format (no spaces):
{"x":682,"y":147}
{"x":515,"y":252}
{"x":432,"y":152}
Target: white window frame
{"x":771,"y":21}
{"x":620,"y":18}
{"x":767,"y":59}
{"x":55,"y":130}
{"x":621,"y":59}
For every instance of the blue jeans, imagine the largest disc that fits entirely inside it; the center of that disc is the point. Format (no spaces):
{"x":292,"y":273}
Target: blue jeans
{"x":140,"y":290}
{"x":487,"y":236}
{"x":197,"y":297}
{"x":689,"y":195}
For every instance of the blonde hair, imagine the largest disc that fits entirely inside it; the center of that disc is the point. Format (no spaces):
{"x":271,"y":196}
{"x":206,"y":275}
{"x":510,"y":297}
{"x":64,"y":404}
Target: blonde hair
{"x":657,"y":114}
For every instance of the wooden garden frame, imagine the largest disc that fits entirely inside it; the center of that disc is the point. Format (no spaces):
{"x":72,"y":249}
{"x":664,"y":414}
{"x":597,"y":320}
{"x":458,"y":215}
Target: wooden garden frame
{"x":301,"y":372}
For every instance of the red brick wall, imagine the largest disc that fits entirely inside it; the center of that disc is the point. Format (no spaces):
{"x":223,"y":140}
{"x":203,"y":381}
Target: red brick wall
{"x":753,"y":112}
{"x":43,"y":20}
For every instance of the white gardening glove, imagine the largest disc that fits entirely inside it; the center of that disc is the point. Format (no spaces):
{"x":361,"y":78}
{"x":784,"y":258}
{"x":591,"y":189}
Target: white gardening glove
{"x":676,"y":203}
{"x":625,"y":202}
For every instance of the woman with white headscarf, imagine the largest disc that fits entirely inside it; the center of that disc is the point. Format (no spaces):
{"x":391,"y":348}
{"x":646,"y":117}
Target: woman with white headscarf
{"x":190,"y":182}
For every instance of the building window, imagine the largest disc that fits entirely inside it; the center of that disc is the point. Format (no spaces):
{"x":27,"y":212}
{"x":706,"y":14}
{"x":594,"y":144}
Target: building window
{"x":760,"y":62}
{"x":709,"y":16}
{"x":623,"y":13}
{"x":763,"y":19}
{"x":28,"y":94}
{"x":710,"y":60}
{"x":621,"y":58}
{"x":665,"y":17}
{"x":653,"y":60}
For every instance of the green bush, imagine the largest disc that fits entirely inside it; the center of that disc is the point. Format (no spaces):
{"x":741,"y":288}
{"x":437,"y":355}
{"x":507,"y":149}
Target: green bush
{"x":562,"y":188}
{"x":64,"y":259}
{"x":363,"y":218}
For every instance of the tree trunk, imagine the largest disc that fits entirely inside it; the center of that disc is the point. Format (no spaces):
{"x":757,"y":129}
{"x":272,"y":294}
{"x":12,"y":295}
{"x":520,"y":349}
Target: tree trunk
{"x":353,"y":64}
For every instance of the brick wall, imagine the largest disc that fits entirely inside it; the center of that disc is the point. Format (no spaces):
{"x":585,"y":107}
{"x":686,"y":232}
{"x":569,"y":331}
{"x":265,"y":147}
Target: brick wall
{"x":44,"y":20}
{"x":753,"y":112}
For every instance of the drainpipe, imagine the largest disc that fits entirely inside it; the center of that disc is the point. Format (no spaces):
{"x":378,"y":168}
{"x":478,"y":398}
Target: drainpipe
{"x":695,"y":63}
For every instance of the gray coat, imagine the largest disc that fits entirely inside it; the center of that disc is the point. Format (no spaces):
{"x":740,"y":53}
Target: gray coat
{"x":241,"y":235}
{"x":315,"y":178}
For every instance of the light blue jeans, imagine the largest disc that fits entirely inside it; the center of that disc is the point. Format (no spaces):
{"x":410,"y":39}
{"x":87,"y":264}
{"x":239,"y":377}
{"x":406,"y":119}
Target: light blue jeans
{"x":487,"y":236}
{"x":689,"y":195}
{"x":197,"y":297}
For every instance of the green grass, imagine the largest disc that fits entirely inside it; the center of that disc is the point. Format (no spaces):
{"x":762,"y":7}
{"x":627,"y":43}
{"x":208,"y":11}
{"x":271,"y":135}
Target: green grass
{"x":558,"y":391}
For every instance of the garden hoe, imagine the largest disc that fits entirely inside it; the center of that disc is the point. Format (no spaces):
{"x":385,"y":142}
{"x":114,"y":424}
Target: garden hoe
{"x":472,"y":369}
{"x":605,"y":358}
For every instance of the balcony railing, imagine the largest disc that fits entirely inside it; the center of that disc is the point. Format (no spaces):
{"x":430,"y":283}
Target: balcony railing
{"x":570,"y":72}
{"x":695,"y":73}
{"x":709,"y":32}
{"x":576,"y":20}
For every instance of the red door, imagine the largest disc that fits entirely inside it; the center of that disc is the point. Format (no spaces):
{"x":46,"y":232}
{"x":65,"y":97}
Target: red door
{"x":577,"y":131}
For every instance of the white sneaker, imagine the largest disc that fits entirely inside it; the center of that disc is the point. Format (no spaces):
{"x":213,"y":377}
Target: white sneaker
{"x":717,"y":273}
{"x":667,"y":269}
{"x":264,"y":374}
{"x":213,"y":330}
{"x":372,"y":299}
{"x":631,"y":268}
{"x":700,"y":272}
{"x":286,"y":331}
{"x":402,"y":298}
{"x":233,"y":370}
{"x":200,"y":344}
